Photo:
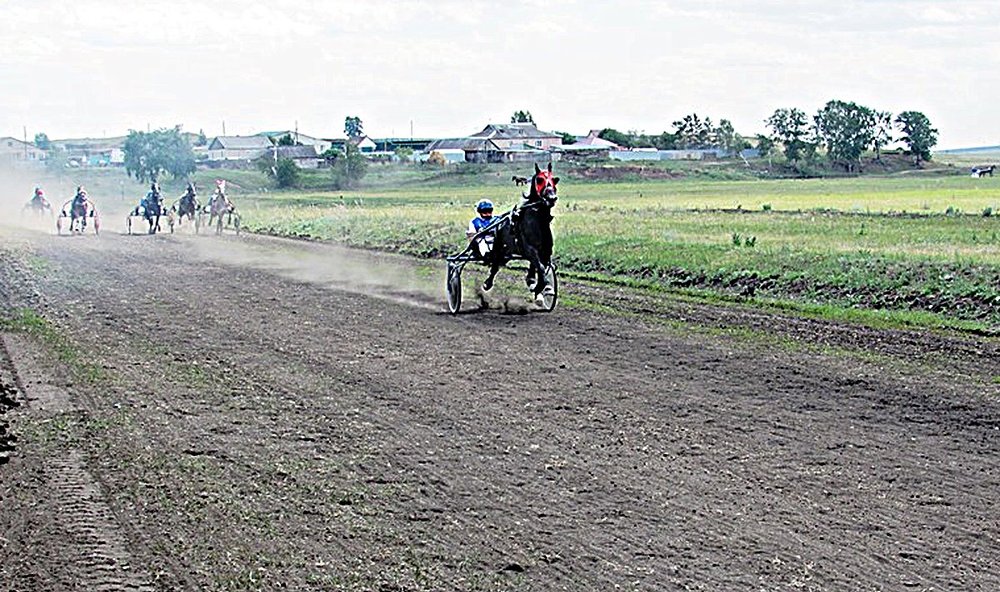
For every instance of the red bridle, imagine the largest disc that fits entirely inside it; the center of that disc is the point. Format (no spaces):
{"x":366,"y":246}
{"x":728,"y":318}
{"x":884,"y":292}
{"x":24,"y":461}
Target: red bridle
{"x":543,"y":181}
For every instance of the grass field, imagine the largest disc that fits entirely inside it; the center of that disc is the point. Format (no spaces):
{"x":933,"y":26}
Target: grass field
{"x":920,"y":248}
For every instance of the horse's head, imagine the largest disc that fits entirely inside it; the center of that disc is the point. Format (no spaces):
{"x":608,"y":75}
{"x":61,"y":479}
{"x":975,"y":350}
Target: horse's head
{"x":543,"y":186}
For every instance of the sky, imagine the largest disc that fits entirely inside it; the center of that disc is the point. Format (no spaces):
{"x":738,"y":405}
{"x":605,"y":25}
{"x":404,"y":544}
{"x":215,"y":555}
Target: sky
{"x":446,"y":68}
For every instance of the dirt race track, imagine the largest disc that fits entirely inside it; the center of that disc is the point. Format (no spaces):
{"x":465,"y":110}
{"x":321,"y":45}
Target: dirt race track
{"x":240,"y":414}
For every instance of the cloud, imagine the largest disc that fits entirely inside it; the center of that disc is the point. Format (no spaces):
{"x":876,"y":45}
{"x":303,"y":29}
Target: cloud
{"x":452,"y":65}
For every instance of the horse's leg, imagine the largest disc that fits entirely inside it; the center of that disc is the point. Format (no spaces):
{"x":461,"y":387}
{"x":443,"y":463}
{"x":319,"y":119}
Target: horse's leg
{"x":535,"y":266}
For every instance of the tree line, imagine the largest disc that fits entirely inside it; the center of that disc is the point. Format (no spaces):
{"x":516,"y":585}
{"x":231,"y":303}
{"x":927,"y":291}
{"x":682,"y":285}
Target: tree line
{"x":842,"y":131}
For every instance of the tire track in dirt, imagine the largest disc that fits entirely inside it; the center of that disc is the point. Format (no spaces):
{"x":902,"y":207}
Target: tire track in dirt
{"x":93,"y":542}
{"x":102,"y":559}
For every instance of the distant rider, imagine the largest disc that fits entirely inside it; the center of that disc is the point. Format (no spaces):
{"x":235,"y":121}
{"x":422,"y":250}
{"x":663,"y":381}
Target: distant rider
{"x":81,"y":204}
{"x":38,"y":199}
{"x":153,"y":197}
{"x":190,"y":197}
{"x":81,"y":198}
{"x":220,"y":193}
{"x":484,"y":219}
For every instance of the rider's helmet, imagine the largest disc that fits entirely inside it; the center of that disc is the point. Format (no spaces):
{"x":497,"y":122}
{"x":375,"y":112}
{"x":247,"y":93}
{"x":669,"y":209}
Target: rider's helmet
{"x":39,"y":192}
{"x":484,"y":206}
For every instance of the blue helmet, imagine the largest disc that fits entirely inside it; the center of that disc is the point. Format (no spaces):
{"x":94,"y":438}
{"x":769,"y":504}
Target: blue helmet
{"x":484,"y":206}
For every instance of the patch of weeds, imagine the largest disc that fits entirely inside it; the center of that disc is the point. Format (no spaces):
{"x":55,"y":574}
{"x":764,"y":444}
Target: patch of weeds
{"x":39,"y":265}
{"x":26,"y":320}
{"x":61,"y":430}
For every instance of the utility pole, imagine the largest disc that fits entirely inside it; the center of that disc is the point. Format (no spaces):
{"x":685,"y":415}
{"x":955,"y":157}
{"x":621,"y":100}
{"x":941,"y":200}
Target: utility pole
{"x":25,"y":128}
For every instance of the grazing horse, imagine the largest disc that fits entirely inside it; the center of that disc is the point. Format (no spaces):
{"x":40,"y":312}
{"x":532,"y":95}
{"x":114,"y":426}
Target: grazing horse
{"x":982,"y":171}
{"x":519,"y":180}
{"x":527,"y":232}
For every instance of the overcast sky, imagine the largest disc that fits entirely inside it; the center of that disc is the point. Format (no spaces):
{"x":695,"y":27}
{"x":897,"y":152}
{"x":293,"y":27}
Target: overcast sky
{"x":94,"y":68}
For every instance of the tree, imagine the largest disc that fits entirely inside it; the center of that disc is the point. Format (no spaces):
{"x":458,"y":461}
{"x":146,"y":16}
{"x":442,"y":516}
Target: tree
{"x":882,"y":132}
{"x":846,"y":129}
{"x":522,"y":117}
{"x":727,"y":138}
{"x":613,"y":135}
{"x":790,"y":128}
{"x":286,"y":140}
{"x":202,"y":139}
{"x":694,"y":132}
{"x":404,"y":153}
{"x":918,"y":134}
{"x":353,"y":127}
{"x":566,"y":137}
{"x":287,"y":173}
{"x":42,"y":141}
{"x":665,"y":141}
{"x":148,"y":155}
{"x":348,"y":167}
{"x":765,"y":145}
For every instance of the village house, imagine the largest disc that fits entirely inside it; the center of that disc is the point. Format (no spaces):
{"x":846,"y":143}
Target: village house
{"x":515,"y":142}
{"x":18,"y":153}
{"x":233,"y":148}
{"x":305,"y":157}
{"x":299,"y":139}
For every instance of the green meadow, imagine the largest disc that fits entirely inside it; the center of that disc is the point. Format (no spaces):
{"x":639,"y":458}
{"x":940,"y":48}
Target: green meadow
{"x":914,"y":250}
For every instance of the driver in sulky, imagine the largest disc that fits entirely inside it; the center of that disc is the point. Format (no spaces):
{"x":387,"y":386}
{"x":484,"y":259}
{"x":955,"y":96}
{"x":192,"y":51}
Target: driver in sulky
{"x":483,"y":220}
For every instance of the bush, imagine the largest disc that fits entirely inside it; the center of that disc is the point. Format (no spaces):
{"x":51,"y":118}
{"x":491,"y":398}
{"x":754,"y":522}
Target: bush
{"x":436,"y":159}
{"x":287,"y":173}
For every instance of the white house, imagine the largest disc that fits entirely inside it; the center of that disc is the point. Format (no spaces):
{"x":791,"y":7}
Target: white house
{"x":16,"y":152}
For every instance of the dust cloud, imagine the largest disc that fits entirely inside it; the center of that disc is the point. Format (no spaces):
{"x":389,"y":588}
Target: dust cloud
{"x":380,"y":275}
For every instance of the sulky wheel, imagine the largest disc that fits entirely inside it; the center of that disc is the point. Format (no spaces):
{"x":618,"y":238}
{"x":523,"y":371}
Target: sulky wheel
{"x":547,"y":299}
{"x":454,"y":287}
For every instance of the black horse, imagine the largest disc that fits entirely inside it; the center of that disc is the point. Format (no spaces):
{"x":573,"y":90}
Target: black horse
{"x":527,"y":233}
{"x":188,"y":204}
{"x":152,"y":208}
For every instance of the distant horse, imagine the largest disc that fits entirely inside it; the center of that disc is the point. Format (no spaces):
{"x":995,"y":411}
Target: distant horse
{"x":187,"y":205}
{"x":38,"y":206}
{"x":220,"y":209}
{"x":982,"y":171}
{"x":152,"y":210}
{"x":527,"y":233}
{"x":519,"y":180}
{"x":78,"y":210}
